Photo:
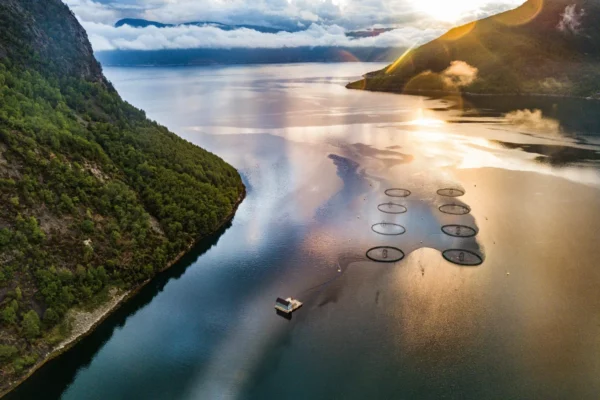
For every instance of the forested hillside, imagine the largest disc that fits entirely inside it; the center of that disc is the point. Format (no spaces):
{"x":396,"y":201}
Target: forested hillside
{"x":93,"y":195}
{"x":547,"y":47}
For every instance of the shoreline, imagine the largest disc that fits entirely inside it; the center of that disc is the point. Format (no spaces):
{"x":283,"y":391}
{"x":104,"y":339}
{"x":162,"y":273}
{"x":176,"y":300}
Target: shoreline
{"x":115,"y":303}
{"x":434,"y":93}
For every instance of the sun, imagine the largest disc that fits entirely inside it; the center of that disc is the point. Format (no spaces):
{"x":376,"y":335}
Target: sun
{"x":448,"y":10}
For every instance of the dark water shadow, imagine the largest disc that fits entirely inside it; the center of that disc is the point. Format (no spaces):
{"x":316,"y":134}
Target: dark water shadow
{"x":354,"y":184}
{"x":284,"y":315}
{"x":52,"y":379}
{"x":555,"y":155}
{"x":574,"y":115}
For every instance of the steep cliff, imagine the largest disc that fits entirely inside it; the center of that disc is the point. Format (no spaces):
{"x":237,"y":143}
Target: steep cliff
{"x":46,"y":33}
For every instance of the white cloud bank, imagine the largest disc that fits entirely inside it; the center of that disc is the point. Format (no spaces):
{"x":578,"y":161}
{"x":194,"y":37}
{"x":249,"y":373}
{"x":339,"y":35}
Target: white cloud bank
{"x":106,"y":37}
{"x":571,"y":19}
{"x":327,"y":21}
{"x":460,"y":74}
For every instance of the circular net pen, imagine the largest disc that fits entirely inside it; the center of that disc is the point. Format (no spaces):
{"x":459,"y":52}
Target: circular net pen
{"x":398,"y":193}
{"x":455,"y":209}
{"x":449,"y":192}
{"x":463,"y":257}
{"x":392,"y":208}
{"x":460,"y":231}
{"x":385,"y":254}
{"x":388,"y":229}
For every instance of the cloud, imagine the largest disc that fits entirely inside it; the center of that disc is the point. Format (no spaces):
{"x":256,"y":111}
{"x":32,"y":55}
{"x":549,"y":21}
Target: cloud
{"x":326,"y":19}
{"x":107,"y":37}
{"x":88,"y":10}
{"x":571,"y":20}
{"x":351,"y":14}
{"x":460,"y":74}
{"x":532,"y":120}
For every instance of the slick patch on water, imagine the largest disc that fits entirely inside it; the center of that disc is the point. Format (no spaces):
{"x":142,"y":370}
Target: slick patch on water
{"x":385,"y":254}
{"x":398,"y":192}
{"x":463,"y":257}
{"x":392,"y":208}
{"x":455,"y":209}
{"x":388,"y":229}
{"x":461,"y":231}
{"x":451,"y":192}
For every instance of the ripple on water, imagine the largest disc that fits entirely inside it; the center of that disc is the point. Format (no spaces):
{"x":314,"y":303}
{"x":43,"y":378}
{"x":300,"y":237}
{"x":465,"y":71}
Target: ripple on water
{"x":459,"y":231}
{"x":385,"y":254}
{"x":463,"y":257}
{"x":392,"y":208}
{"x":398,"y":192}
{"x":449,"y":192}
{"x":388,"y":229}
{"x":455,"y":209}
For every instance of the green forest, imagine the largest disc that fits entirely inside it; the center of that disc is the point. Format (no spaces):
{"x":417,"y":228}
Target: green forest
{"x":94,"y":195}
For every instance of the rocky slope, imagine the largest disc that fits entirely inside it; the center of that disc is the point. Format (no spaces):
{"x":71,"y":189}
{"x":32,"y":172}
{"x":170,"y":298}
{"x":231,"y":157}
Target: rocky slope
{"x":31,"y":28}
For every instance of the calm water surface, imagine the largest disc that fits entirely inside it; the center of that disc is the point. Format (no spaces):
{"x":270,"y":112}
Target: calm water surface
{"x":317,"y":160}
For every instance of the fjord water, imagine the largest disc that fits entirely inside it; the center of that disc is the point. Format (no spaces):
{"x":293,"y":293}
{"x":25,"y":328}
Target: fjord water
{"x":317,"y":160}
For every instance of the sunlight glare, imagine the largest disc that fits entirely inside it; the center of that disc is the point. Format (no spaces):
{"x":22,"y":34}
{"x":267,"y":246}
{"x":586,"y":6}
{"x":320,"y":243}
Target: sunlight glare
{"x":449,"y":11}
{"x":426,"y":122}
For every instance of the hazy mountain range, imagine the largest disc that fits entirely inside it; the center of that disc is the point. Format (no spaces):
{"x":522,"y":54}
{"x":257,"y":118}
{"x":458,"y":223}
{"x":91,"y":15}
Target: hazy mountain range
{"x":142,"y":23}
{"x":233,"y":55}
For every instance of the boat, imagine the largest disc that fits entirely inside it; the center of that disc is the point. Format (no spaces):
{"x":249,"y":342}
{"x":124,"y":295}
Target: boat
{"x":288,"y":305}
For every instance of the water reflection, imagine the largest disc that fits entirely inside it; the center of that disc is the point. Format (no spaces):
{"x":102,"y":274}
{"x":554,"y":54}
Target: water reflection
{"x":317,"y":160}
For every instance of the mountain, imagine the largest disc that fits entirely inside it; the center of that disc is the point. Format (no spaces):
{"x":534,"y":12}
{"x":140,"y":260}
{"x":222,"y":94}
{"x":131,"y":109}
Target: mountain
{"x":374,"y":32}
{"x":95,"y":198}
{"x":549,"y":47}
{"x":245,"y":56}
{"x":232,"y":56}
{"x":142,"y":23}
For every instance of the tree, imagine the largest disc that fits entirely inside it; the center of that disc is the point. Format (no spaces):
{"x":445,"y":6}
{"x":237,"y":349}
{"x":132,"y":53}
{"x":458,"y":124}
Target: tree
{"x":7,"y":353}
{"x":51,"y":317}
{"x":9,"y":314}
{"x":31,"y":324}
{"x":87,"y":226}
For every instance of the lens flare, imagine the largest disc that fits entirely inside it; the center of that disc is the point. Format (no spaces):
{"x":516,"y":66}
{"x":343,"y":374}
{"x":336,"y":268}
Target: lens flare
{"x":396,"y":63}
{"x":449,"y":11}
{"x":460,"y":31}
{"x":522,"y":15}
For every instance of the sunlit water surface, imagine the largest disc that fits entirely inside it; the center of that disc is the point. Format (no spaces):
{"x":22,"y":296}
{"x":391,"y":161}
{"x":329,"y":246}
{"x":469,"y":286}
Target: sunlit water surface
{"x":317,"y":160}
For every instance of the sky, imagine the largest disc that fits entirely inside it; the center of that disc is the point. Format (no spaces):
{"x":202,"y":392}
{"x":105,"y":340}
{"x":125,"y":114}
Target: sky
{"x":321,"y":22}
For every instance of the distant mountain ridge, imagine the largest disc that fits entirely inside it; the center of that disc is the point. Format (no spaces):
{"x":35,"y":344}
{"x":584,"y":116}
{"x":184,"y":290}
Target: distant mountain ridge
{"x":142,"y":23}
{"x":237,"y":56}
{"x":549,"y":47}
{"x":234,"y":56}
